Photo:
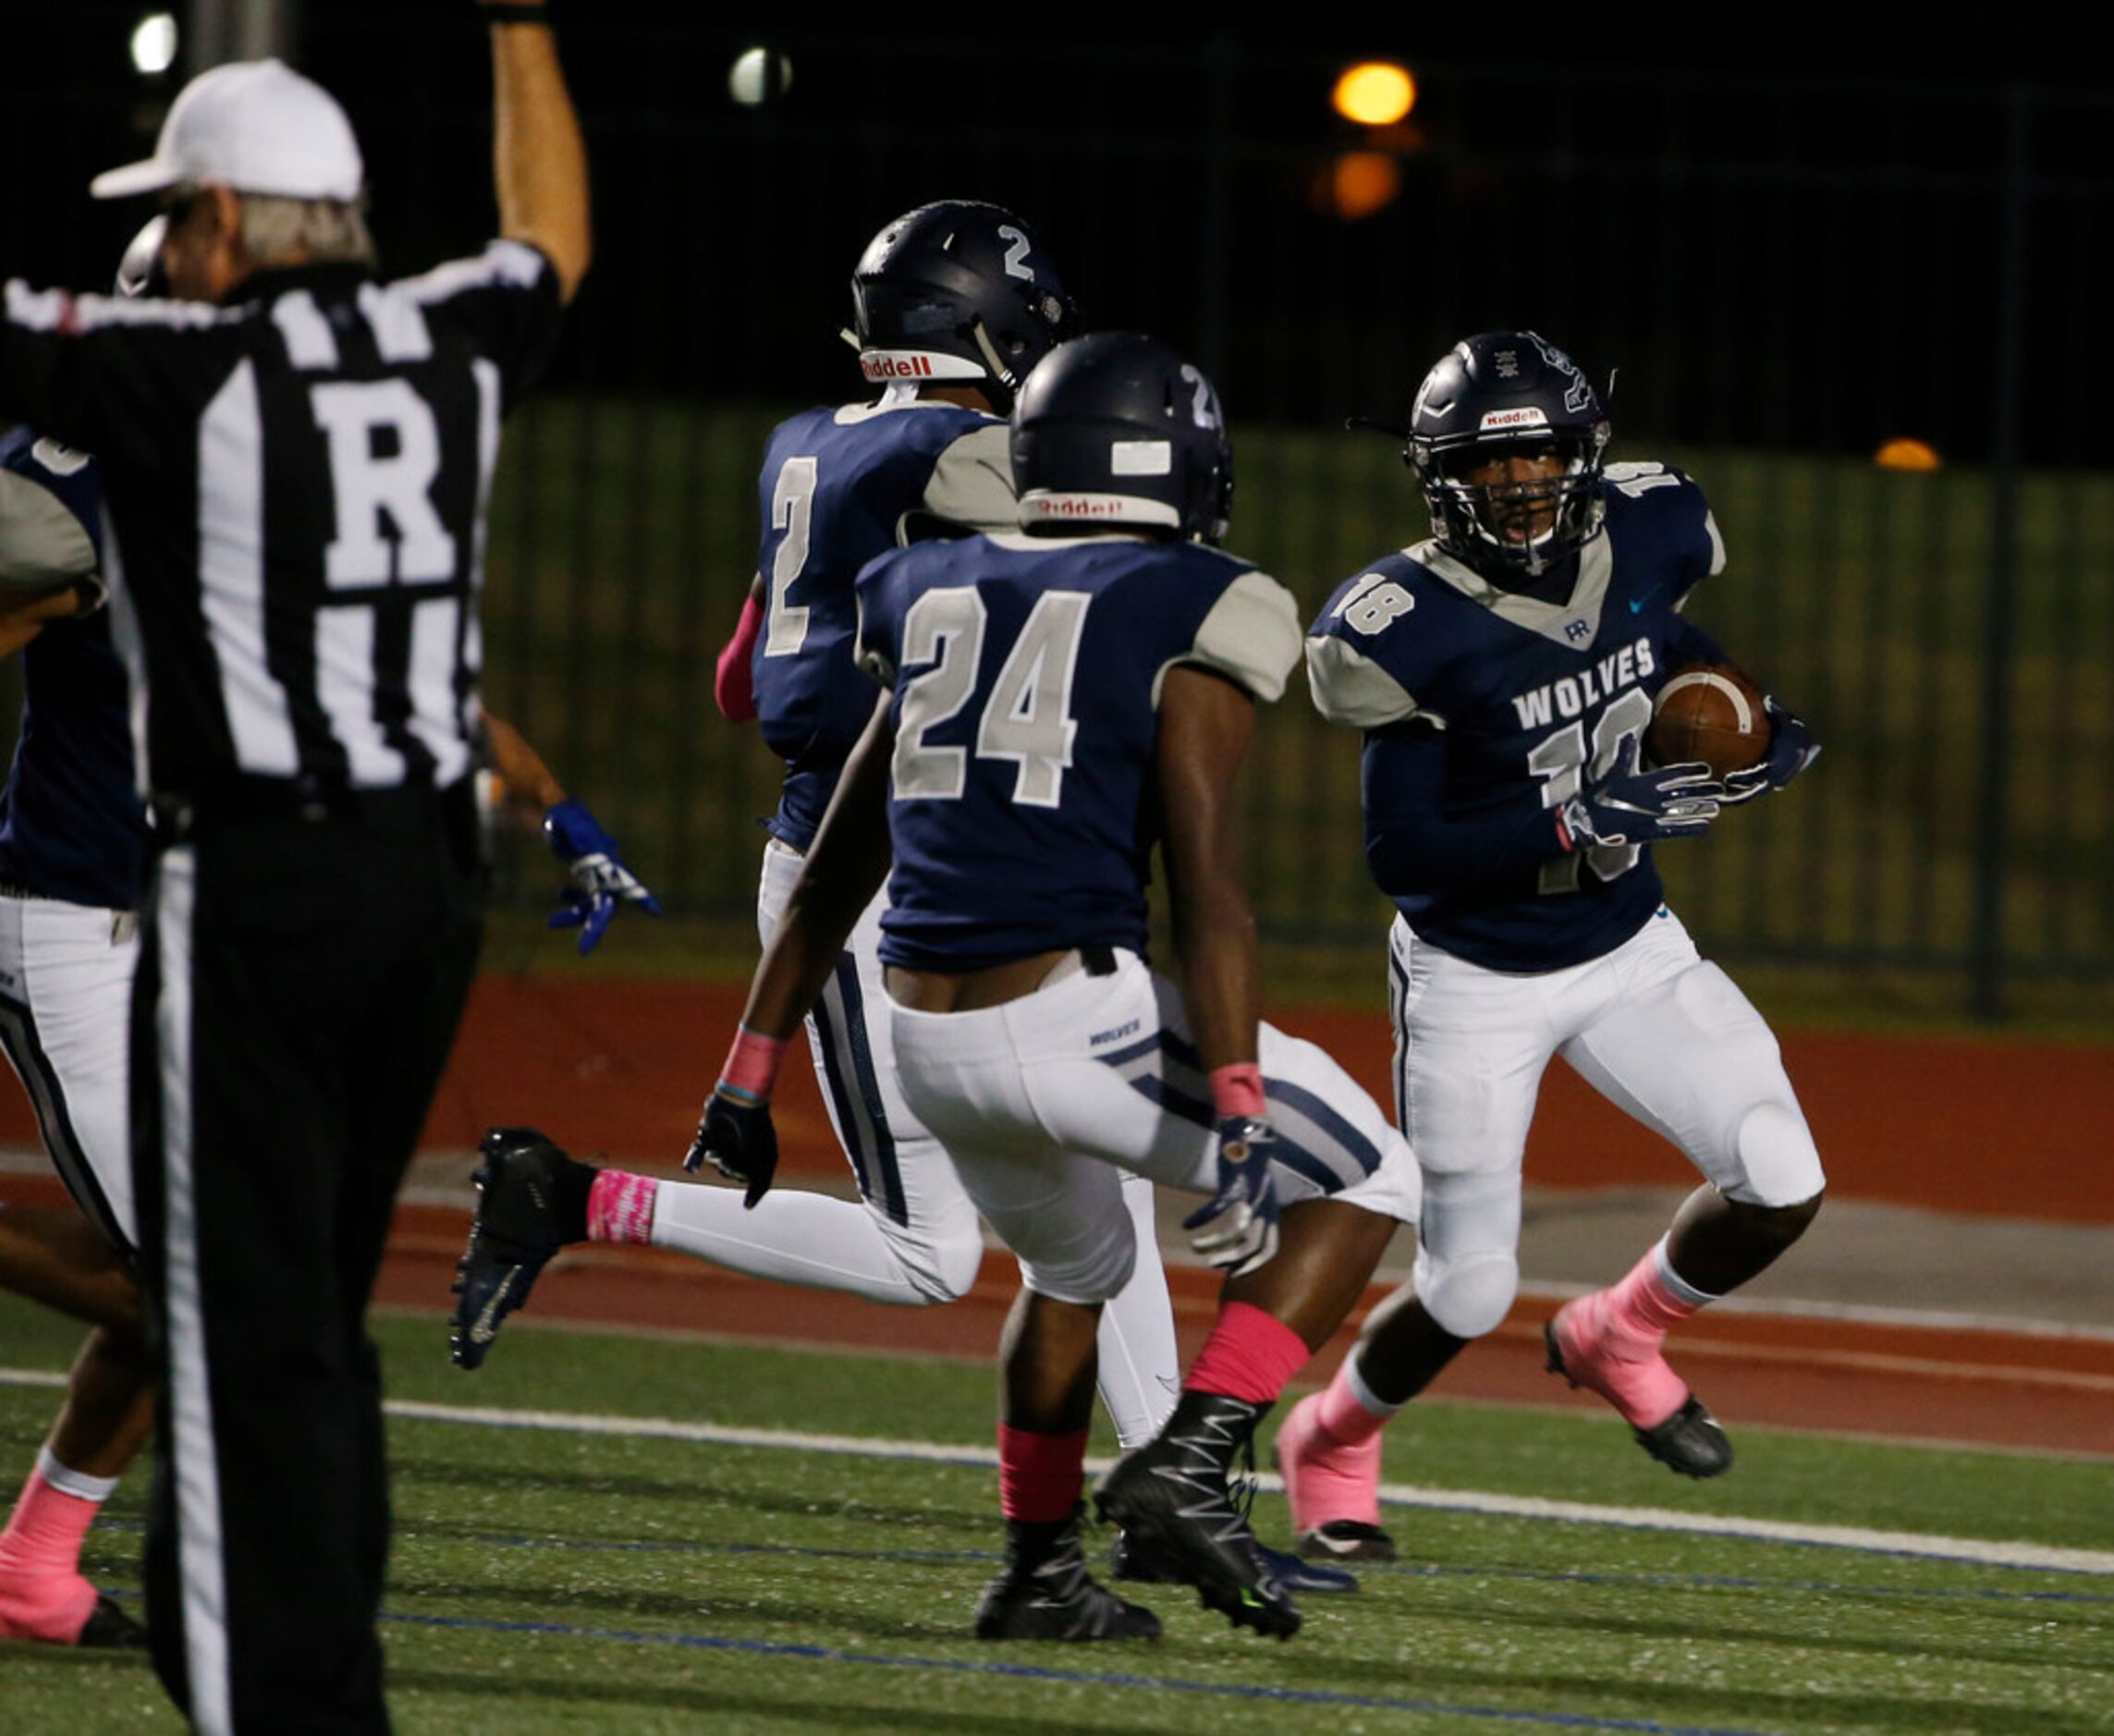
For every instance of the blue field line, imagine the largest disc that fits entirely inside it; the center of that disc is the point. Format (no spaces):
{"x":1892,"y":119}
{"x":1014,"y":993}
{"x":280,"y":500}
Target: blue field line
{"x":1072,"y":1678}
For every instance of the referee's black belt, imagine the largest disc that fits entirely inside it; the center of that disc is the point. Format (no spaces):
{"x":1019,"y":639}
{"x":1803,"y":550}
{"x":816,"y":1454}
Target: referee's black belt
{"x":315,"y":800}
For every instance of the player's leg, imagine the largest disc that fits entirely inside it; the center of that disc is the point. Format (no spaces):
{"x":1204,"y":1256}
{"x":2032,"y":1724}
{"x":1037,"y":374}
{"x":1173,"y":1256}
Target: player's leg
{"x":1065,"y":1218}
{"x":1470,"y":1048}
{"x":64,"y":1025}
{"x":1684,"y":1051}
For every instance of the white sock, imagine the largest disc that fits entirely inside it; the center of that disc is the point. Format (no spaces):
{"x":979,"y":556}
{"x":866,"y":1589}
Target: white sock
{"x":78,"y":1483}
{"x":796,"y":1238}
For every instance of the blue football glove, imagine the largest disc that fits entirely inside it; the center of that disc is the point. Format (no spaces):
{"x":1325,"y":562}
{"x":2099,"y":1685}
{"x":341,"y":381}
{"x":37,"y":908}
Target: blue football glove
{"x":600,"y":880}
{"x":1632,"y":807}
{"x":736,"y":1138}
{"x":1236,"y":1228}
{"x":1791,"y":750}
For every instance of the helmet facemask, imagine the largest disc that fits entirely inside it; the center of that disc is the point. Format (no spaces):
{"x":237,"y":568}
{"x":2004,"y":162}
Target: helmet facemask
{"x":1520,"y":522}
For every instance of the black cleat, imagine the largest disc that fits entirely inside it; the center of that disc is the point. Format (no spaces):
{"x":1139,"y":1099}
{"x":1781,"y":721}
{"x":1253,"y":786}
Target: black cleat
{"x":1172,"y":1495}
{"x":1046,"y":1593}
{"x":109,"y":1627}
{"x":1690,"y":1441}
{"x":1143,"y":1564}
{"x":1345,"y":1540}
{"x":532,"y":1201}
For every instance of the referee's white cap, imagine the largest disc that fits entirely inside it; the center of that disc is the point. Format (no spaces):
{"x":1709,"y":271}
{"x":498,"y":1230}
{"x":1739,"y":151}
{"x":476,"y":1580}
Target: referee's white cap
{"x":256,"y":126}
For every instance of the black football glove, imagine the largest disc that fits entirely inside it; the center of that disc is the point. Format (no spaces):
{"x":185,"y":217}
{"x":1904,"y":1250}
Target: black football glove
{"x":1791,"y":750}
{"x":735,"y":1137}
{"x":1236,"y":1228}
{"x":1630,"y":806}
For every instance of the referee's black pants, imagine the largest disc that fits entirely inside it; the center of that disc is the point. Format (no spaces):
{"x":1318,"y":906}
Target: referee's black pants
{"x":300,"y":981}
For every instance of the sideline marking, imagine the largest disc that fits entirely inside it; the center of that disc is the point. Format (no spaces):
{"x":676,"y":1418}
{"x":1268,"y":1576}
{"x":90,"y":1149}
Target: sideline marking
{"x":1852,"y":1537}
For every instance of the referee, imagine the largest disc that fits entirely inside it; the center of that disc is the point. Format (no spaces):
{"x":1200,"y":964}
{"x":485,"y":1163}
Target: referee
{"x":297,"y":457}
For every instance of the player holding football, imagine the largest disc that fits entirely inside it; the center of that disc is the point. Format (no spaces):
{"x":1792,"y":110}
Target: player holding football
{"x":1059,"y":698}
{"x":1503,"y":673}
{"x":952,"y":304}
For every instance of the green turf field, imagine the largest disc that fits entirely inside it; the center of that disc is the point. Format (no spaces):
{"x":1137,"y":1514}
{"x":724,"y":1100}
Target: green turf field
{"x":547,"y":1579}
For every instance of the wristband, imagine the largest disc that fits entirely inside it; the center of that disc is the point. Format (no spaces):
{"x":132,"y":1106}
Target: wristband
{"x":751,"y":1066}
{"x":1237,"y":1091}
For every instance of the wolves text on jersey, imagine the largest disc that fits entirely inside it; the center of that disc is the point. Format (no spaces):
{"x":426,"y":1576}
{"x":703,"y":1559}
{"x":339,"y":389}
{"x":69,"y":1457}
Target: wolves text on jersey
{"x":1569,"y":696}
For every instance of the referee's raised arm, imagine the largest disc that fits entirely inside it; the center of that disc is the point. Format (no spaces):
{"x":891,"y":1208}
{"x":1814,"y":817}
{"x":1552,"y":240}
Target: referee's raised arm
{"x":539,"y":164}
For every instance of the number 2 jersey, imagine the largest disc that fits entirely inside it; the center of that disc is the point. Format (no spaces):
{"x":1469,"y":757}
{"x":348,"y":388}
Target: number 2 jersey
{"x":839,"y":486}
{"x":1485,"y":710}
{"x":1026,"y":675}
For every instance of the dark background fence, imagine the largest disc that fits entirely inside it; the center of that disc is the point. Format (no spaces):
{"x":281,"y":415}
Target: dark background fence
{"x":1779,"y":270}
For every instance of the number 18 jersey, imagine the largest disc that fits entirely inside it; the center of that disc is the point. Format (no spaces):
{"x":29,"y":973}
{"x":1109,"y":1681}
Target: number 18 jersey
{"x":1527,"y":701}
{"x":1026,"y":675}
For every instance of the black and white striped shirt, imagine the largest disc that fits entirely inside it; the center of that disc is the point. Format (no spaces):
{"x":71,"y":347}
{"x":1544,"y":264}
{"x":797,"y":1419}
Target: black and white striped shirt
{"x":298,"y":485}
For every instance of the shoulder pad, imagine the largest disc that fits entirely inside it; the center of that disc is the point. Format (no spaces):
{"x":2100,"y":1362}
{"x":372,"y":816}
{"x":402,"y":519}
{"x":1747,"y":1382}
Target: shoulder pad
{"x":1348,"y":687}
{"x":1252,"y":635}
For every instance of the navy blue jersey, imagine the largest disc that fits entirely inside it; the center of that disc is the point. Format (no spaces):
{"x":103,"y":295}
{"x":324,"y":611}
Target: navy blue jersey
{"x":1026,"y":675}
{"x":1485,"y":710}
{"x":839,"y":487}
{"x":72,"y":825}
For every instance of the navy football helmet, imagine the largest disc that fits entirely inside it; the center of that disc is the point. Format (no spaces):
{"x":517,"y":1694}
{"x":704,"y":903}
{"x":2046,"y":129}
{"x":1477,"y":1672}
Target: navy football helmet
{"x":1500,"y":395}
{"x":1117,"y":432}
{"x":957,"y":290}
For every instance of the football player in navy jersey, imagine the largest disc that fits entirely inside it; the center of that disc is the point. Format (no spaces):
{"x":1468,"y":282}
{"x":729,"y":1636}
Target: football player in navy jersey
{"x":1058,"y":699}
{"x":1503,"y":673}
{"x":952,"y":304}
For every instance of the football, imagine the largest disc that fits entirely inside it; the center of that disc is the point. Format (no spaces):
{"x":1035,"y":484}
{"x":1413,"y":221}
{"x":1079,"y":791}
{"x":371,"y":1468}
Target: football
{"x":1709,"y":713}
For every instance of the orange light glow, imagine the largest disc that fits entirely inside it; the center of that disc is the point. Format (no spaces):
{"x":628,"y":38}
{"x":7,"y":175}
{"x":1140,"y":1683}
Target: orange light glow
{"x":1357,"y":184}
{"x":1377,"y":93}
{"x":1907,"y":455}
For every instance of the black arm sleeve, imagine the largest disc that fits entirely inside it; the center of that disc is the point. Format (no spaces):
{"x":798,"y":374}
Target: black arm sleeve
{"x":1688,"y":643}
{"x":1411,"y":844}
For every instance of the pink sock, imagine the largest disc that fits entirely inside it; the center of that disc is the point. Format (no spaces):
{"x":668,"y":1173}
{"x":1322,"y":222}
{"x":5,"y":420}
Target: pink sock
{"x":1040,"y":1477}
{"x":1341,"y":1415}
{"x":1250,"y":1355}
{"x":620,"y":1207}
{"x":42,"y":1595}
{"x":1642,"y":1306}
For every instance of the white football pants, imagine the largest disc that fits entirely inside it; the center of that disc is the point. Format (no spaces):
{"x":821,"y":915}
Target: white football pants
{"x":1653,"y":1027}
{"x":66,"y":1001}
{"x":1050,"y":1103}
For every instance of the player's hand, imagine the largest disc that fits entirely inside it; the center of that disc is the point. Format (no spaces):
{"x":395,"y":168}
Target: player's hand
{"x":736,"y":1138}
{"x":1236,"y":1228}
{"x":1630,"y":806}
{"x":1791,"y":750}
{"x":600,"y":880}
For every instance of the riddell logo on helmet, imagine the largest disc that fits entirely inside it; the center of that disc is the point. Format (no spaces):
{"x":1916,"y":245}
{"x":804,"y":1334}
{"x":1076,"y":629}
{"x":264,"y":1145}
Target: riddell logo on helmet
{"x":1075,"y":505}
{"x":1526,"y":416}
{"x":882,"y":365}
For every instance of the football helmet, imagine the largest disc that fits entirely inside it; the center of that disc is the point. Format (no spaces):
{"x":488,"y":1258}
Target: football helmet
{"x":957,"y":290}
{"x":1115,"y":430}
{"x":1496,"y":396}
{"x":139,"y":272}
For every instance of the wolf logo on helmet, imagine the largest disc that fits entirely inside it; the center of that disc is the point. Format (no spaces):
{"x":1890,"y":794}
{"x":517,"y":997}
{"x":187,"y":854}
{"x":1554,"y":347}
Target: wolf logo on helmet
{"x":1116,"y":429}
{"x":1495,"y":396}
{"x":956,"y":290}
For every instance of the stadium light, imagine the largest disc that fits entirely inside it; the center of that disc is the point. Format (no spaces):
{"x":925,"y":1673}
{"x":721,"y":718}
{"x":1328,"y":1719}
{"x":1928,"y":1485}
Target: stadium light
{"x":1906,"y":454}
{"x":1358,"y":184}
{"x":1375,"y":93}
{"x":155,"y":45}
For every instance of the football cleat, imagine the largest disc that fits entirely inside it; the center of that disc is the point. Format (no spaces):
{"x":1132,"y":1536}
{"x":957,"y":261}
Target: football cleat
{"x":1686,"y":1439}
{"x":1054,"y":1597}
{"x":1143,"y":1564}
{"x":1171,"y":1494}
{"x":1345,"y":1540}
{"x":110,"y":1628}
{"x":532,"y":1201}
{"x":1329,"y":1484}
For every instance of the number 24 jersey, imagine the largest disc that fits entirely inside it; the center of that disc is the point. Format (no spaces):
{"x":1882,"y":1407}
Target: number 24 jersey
{"x":1026,"y":675}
